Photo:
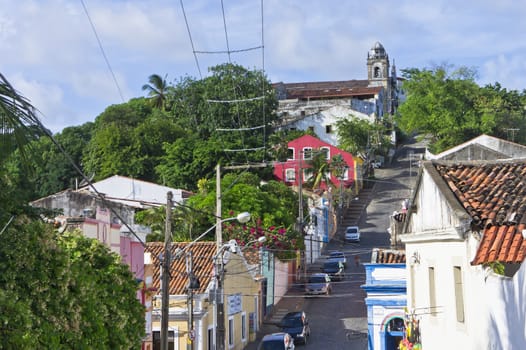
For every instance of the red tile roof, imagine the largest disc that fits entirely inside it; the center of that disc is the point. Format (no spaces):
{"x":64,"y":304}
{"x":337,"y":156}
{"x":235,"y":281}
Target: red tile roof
{"x":388,"y":256}
{"x":203,"y":265}
{"x":327,"y":89}
{"x":494,"y":195}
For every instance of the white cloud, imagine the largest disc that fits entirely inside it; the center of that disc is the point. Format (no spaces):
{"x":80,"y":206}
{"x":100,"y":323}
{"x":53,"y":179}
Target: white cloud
{"x":508,"y":71}
{"x":50,"y":45}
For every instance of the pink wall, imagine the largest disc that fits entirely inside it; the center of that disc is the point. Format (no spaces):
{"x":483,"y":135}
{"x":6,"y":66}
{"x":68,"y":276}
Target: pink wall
{"x":309,"y":141}
{"x":132,"y":254}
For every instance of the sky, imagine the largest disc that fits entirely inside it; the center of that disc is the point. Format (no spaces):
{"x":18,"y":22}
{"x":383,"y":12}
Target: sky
{"x":74,"y":58}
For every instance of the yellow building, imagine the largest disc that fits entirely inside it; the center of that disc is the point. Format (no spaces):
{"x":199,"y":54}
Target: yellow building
{"x":241,"y":296}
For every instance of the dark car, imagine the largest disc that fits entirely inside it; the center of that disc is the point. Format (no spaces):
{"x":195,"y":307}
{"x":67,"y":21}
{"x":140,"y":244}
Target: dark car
{"x":276,"y":341}
{"x":334,"y":269}
{"x":297,"y":325}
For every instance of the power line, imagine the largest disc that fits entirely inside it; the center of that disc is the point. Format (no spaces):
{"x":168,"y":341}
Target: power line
{"x":191,"y":40}
{"x":102,"y":50}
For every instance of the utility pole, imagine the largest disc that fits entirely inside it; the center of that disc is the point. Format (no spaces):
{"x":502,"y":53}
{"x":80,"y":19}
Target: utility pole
{"x":166,"y":263}
{"x":190,"y":301}
{"x":220,"y":306}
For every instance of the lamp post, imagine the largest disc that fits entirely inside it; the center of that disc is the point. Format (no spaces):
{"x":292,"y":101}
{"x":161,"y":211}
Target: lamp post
{"x":218,"y":295}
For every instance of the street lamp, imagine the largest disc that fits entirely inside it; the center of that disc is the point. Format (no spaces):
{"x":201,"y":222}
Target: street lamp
{"x":233,"y":247}
{"x":243,"y":217}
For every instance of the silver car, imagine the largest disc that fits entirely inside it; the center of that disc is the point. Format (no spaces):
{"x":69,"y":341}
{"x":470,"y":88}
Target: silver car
{"x":318,"y":283}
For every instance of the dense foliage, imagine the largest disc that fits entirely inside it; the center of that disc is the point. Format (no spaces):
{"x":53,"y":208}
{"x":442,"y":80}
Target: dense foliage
{"x":272,"y":205}
{"x":65,"y":292}
{"x":448,"y":105}
{"x":361,"y":137}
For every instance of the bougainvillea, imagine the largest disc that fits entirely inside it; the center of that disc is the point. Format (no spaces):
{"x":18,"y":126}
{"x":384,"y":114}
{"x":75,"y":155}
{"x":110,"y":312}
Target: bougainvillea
{"x":284,"y":242}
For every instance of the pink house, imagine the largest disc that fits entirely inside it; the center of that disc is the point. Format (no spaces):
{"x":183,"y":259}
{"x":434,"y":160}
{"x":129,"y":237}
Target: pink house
{"x":300,"y":153}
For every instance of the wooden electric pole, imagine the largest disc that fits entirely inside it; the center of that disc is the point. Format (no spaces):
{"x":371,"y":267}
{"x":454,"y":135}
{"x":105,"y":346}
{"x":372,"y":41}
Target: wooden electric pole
{"x":166,"y":263}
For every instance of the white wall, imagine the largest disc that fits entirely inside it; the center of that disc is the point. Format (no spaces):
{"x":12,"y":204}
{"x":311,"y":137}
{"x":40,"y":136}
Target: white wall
{"x":506,"y":301}
{"x":281,"y":279}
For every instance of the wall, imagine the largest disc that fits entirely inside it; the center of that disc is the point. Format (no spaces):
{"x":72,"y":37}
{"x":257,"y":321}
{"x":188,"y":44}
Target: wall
{"x":239,"y":286}
{"x":431,"y":210}
{"x":506,"y":328}
{"x":441,"y":319}
{"x":281,"y":279}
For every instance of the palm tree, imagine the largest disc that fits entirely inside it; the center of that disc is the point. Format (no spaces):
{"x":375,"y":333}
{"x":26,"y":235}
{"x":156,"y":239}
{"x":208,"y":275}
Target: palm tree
{"x":157,"y":90}
{"x":19,"y":124}
{"x":318,"y":170}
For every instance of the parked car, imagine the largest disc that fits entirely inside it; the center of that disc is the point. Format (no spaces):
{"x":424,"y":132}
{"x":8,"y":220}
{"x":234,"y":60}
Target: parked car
{"x":297,"y":325}
{"x":334,"y":269}
{"x":277,"y":341}
{"x":318,"y":283}
{"x":352,"y":234}
{"x":337,"y":256}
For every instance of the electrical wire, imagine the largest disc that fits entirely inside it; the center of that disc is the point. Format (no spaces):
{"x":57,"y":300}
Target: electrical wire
{"x":191,"y":40}
{"x":102,"y":50}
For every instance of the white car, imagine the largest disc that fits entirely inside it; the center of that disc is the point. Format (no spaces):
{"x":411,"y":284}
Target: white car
{"x":352,"y":234}
{"x":337,"y":256}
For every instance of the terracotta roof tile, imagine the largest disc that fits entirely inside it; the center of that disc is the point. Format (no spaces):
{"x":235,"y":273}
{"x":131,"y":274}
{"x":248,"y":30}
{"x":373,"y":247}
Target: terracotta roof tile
{"x":327,"y":89}
{"x":388,"y":256}
{"x":494,"y":195}
{"x":203,"y":265}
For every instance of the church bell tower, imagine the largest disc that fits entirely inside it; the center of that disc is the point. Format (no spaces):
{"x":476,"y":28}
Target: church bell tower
{"x":378,"y":66}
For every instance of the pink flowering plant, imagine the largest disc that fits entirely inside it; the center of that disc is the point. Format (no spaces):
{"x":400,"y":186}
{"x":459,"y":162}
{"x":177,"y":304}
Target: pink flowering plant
{"x":284,"y":242}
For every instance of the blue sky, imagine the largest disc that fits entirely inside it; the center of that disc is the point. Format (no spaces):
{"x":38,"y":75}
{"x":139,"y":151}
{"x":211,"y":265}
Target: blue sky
{"x":50,"y":53}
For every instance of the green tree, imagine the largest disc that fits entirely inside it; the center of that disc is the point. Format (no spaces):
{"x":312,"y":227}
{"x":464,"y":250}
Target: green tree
{"x":271,"y":204}
{"x":503,"y":112}
{"x":64,"y":292}
{"x":158,"y":89}
{"x":361,"y":137}
{"x":52,"y":170}
{"x":234,"y":106}
{"x":128,"y":140}
{"x":441,"y":102}
{"x":19,"y":126}
{"x":18,"y":121}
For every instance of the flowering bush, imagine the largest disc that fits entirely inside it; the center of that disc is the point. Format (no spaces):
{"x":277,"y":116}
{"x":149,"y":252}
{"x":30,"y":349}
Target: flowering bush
{"x":284,"y":242}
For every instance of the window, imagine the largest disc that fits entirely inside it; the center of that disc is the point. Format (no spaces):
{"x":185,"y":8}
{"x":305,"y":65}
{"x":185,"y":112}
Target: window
{"x":243,"y":327}
{"x":346,"y":174}
{"x":459,"y":294}
{"x":290,"y":175}
{"x":432,"y":291}
{"x":210,"y":339}
{"x":328,"y":129}
{"x":231,"y":331}
{"x":290,"y":154}
{"x":157,"y":340}
{"x":307,"y":153}
{"x":327,"y":152}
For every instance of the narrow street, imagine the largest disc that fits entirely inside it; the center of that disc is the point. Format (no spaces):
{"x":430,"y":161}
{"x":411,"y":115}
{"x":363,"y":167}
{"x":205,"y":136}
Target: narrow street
{"x":339,"y":321}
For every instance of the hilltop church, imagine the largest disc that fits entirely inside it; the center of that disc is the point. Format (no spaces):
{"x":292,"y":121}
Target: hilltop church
{"x":319,"y":105}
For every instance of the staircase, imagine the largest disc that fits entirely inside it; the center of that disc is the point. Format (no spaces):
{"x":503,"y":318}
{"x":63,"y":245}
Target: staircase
{"x":352,"y":214}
